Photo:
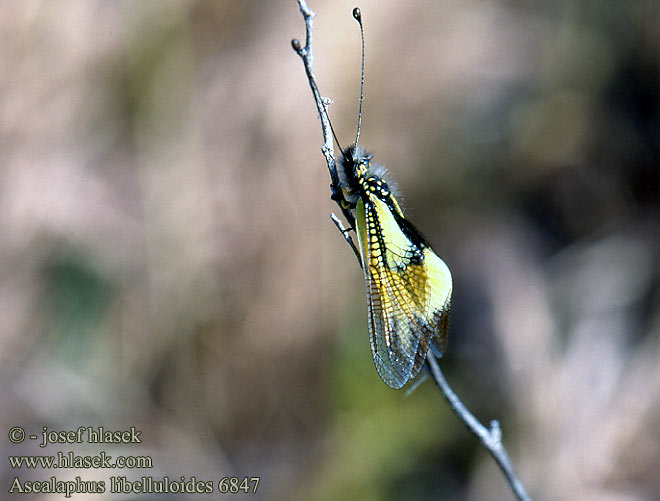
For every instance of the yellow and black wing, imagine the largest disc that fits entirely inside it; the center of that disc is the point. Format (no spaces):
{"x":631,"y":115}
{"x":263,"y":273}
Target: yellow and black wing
{"x":408,"y":290}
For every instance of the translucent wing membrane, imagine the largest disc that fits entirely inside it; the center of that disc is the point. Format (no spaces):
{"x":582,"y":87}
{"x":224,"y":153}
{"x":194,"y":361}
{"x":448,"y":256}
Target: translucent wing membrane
{"x":408,"y":291}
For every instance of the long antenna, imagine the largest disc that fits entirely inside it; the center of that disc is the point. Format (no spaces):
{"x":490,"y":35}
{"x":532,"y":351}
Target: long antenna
{"x":358,"y":17}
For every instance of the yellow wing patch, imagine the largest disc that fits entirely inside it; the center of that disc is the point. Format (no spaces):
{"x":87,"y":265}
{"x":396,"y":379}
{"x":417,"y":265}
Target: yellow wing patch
{"x":408,"y":294}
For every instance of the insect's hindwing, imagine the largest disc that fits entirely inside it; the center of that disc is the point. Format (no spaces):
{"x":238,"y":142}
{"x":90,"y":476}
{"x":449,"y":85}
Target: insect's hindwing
{"x":440,"y":285}
{"x":408,"y":293}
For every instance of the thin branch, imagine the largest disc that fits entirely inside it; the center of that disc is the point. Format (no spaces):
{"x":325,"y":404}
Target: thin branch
{"x":491,"y":439}
{"x":307,"y":56}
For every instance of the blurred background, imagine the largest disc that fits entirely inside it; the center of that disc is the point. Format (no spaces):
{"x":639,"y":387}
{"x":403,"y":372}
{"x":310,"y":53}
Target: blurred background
{"x":168,"y":261}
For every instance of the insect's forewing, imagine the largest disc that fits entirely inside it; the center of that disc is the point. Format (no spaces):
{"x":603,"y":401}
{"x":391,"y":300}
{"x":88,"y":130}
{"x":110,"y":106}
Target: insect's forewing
{"x":408,"y":290}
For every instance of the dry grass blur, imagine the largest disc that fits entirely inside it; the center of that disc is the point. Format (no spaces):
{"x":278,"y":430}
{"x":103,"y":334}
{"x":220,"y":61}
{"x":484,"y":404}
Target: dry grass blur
{"x":168,"y":261}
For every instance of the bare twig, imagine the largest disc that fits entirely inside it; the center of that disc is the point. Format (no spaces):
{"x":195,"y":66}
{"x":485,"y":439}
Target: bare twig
{"x":307,"y":56}
{"x":491,"y":439}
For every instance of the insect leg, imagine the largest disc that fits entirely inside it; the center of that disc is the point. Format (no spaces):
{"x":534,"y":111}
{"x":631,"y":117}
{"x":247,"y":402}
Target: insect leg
{"x":347,"y":237}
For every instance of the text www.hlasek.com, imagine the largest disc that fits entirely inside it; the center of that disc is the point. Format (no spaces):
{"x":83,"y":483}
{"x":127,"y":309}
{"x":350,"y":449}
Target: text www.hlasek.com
{"x":71,"y":460}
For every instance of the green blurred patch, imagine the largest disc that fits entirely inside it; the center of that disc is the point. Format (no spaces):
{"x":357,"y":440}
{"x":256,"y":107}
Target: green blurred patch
{"x":74,"y":300}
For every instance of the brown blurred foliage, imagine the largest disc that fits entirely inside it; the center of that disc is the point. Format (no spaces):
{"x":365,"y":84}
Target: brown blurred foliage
{"x":168,"y":260}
